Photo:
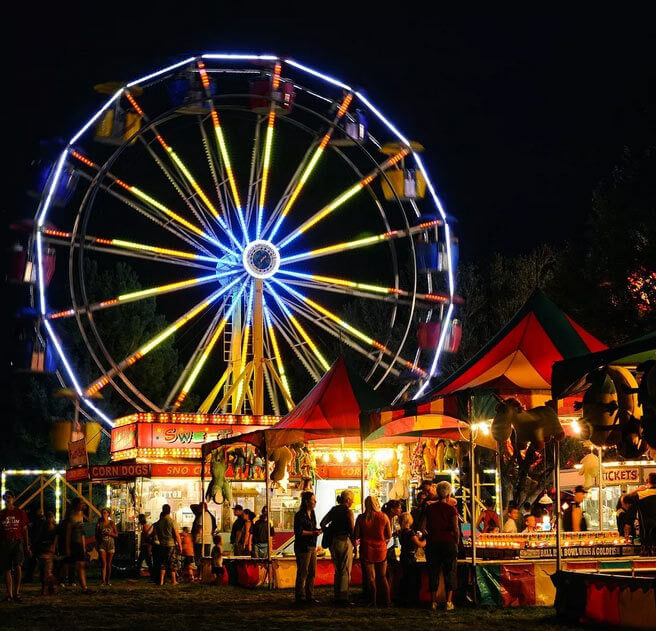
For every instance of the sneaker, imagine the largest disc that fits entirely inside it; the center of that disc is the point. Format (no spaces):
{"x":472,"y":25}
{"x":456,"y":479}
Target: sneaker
{"x":450,"y":607}
{"x":434,"y":606}
{"x":18,"y":598}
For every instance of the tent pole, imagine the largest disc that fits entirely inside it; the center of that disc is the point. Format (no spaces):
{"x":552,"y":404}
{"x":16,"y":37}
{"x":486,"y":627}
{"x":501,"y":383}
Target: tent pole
{"x":268,"y":507}
{"x":498,"y":487}
{"x":558,"y":505}
{"x":362,"y":475}
{"x":472,"y":503}
{"x":600,"y":485}
{"x":202,"y":512}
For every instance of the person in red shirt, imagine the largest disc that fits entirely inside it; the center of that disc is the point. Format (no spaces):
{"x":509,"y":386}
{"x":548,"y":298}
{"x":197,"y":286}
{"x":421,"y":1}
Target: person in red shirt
{"x":14,"y":545}
{"x":489,"y":518}
{"x":443,"y":532}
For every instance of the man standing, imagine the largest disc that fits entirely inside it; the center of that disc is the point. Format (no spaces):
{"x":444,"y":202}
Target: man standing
{"x":305,"y":549}
{"x":573,"y":517}
{"x":145,"y":545}
{"x":238,"y":524}
{"x":14,"y":545}
{"x":170,"y":545}
{"x":644,"y":499}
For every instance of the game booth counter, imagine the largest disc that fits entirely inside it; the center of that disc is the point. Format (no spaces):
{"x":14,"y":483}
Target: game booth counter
{"x":626,"y":423}
{"x":505,"y":391}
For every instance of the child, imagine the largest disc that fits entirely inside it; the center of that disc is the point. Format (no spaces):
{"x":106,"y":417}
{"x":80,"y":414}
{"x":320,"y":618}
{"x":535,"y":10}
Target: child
{"x":411,"y":541}
{"x":217,"y":560}
{"x":488,"y":518}
{"x":187,"y":554}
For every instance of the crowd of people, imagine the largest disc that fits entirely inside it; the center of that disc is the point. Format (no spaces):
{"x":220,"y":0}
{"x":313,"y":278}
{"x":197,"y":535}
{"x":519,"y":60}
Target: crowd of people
{"x":60,"y":550}
{"x":375,"y":536}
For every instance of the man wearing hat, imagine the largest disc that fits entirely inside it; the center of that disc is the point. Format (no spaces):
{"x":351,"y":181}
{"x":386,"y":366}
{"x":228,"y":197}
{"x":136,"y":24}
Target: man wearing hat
{"x":238,"y":511}
{"x":573,"y":517}
{"x":14,"y":545}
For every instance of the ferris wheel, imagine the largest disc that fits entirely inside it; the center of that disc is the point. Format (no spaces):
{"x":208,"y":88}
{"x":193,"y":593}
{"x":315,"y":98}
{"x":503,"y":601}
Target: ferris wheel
{"x":272,"y":210}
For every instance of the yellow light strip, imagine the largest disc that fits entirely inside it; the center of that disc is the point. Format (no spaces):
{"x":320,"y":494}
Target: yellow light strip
{"x":378,"y":289}
{"x":188,"y":384}
{"x":196,"y":418}
{"x":344,"y":197}
{"x":276,"y":353}
{"x":137,"y":192}
{"x":157,"y":340}
{"x":313,"y":162}
{"x":267,"y":146}
{"x":297,"y":325}
{"x":356,"y":332}
{"x":358,"y":243}
{"x":166,"y":288}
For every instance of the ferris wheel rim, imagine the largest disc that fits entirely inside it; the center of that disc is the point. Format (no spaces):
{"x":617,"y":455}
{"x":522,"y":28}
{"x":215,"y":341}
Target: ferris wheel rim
{"x":44,"y":206}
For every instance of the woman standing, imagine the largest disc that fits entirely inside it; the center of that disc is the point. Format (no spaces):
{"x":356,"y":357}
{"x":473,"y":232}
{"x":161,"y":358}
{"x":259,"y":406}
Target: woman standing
{"x":106,"y":535}
{"x":442,"y":549}
{"x":338,"y":522}
{"x":373,"y":530}
{"x":244,"y":542}
{"x":305,"y":549}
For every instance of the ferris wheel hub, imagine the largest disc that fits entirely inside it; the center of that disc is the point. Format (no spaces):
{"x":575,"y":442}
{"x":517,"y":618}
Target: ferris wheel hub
{"x":261,"y":259}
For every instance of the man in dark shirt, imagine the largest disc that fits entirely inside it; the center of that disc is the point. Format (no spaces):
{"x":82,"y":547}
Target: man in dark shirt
{"x":305,"y":548}
{"x":238,"y":524}
{"x":644,"y":500}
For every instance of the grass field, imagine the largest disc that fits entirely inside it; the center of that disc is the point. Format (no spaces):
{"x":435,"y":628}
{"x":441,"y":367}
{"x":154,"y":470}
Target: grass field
{"x":141,"y":605}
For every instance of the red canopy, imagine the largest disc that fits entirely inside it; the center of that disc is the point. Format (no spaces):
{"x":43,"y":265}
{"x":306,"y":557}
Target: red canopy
{"x":331,"y":409}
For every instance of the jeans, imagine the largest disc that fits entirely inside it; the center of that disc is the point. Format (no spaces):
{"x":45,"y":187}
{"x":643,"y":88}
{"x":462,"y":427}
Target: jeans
{"x":341,"y":551}
{"x":260,"y":550}
{"x":306,"y":567}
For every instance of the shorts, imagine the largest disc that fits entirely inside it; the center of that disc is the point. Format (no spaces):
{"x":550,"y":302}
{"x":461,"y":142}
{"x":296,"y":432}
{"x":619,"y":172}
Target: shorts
{"x":78,"y":554}
{"x":107,"y":544}
{"x":12,"y":554}
{"x":170,"y":558}
{"x":187,"y":560}
{"x":442,"y":559}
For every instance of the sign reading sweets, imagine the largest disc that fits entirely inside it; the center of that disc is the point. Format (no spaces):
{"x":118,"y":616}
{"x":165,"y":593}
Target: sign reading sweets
{"x":181,"y":435}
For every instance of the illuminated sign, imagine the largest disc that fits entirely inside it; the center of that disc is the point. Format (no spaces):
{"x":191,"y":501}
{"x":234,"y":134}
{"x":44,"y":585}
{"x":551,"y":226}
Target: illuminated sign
{"x":621,"y":475}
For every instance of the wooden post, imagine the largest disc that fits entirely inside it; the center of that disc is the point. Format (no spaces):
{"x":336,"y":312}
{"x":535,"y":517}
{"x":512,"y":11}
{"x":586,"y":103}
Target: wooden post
{"x":268,"y":507}
{"x":558,"y":505}
{"x":600,"y":485}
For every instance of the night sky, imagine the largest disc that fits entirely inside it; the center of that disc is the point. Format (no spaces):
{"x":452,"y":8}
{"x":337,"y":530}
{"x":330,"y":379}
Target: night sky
{"x":520,"y":115}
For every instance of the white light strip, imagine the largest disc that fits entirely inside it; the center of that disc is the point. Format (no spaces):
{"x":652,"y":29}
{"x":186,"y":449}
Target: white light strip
{"x":159,"y":72}
{"x":96,"y":116}
{"x":60,"y":352}
{"x":377,"y":112}
{"x":51,"y":190}
{"x":291,"y":62}
{"x":39,"y":258}
{"x":239,"y":56}
{"x":438,"y":350}
{"x":101,"y":414}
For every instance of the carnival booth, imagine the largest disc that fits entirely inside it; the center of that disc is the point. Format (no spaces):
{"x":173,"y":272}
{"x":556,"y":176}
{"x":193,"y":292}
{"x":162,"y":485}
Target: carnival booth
{"x":326,"y":423}
{"x":618,"y":413}
{"x":503,"y":393}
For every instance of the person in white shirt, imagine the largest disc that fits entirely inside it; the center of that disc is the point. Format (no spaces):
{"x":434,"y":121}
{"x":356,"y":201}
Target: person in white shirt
{"x":510,"y":524}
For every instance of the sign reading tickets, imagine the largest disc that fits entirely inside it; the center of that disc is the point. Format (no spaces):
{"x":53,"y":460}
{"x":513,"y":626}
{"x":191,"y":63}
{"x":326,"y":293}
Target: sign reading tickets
{"x":621,"y":475}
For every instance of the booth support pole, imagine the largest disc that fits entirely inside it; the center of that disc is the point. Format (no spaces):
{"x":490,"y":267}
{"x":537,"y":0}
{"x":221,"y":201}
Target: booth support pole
{"x":600,"y":485}
{"x":362,"y":475}
{"x":202,"y":510}
{"x":472,"y":504}
{"x":499,"y":488}
{"x":558,"y":505}
{"x":268,"y":507}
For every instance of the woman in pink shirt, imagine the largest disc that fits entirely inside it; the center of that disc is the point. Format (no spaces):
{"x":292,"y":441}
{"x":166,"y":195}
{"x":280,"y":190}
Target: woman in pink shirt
{"x":373,"y":530}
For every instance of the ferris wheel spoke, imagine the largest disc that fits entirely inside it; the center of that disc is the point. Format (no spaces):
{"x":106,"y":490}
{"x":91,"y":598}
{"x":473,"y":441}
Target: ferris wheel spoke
{"x":298,"y":347}
{"x":199,"y":362}
{"x":165,"y":223}
{"x":281,"y":373}
{"x":295,"y":189}
{"x":362,"y":290}
{"x":121,"y":247}
{"x":324,"y":323}
{"x":358,"y":243}
{"x":370,"y":341}
{"x":299,"y":328}
{"x":153,"y":203}
{"x":343,"y":198}
{"x":142,"y":294}
{"x":266,"y":158}
{"x":214,"y":166}
{"x":155,"y":341}
{"x":223,"y":148}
